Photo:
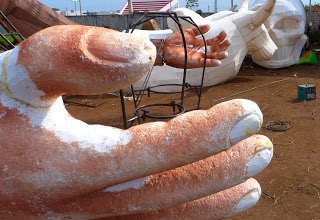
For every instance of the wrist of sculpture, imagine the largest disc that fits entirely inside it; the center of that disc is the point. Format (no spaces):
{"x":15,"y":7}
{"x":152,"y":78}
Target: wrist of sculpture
{"x":160,"y":50}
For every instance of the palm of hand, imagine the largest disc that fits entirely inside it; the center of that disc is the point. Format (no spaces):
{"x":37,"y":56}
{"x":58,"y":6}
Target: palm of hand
{"x":174,"y":53}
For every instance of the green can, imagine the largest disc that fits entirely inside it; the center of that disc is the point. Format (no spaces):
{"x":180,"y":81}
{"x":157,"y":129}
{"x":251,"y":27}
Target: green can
{"x":307,"y":92}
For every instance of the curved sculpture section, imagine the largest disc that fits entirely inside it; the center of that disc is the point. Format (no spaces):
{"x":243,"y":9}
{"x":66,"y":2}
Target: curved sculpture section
{"x":286,"y":26}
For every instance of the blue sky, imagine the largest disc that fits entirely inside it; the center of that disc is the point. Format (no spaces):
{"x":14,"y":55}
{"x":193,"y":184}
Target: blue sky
{"x":113,"y":5}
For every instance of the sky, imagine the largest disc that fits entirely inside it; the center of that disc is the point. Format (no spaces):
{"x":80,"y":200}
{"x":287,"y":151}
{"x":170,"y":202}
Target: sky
{"x":113,"y":5}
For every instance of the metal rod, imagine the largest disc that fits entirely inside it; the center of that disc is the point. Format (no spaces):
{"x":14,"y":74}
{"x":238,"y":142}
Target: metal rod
{"x":123,"y":107}
{"x":80,"y":7}
{"x":310,"y":6}
{"x":135,"y":102}
{"x":215,"y":6}
{"x":205,"y":60}
{"x":9,"y":22}
{"x":185,"y":57}
{"x":130,"y":6}
{"x":75,"y":7}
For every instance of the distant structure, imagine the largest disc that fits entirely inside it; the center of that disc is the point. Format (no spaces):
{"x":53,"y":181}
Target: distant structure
{"x":72,"y":13}
{"x":315,"y":8}
{"x":150,"y":5}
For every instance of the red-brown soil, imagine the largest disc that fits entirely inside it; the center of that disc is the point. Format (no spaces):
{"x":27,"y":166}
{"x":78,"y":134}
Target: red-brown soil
{"x":291,"y":184}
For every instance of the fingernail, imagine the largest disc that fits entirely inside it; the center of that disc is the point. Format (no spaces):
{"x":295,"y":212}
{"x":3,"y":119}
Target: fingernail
{"x":218,"y":62}
{"x":247,"y":201}
{"x":250,"y":124}
{"x":225,"y":54}
{"x":245,"y":128}
{"x":259,"y":161}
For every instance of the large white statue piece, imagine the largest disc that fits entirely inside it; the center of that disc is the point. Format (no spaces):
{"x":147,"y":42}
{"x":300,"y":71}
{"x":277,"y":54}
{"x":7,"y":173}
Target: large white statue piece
{"x":286,"y":26}
{"x":247,"y":34}
{"x":53,"y":166}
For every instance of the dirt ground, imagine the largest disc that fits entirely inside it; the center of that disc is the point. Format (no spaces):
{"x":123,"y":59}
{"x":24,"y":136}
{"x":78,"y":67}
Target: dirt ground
{"x":291,"y":183}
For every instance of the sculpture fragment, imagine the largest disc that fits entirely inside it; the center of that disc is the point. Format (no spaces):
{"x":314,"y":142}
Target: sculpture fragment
{"x":286,"y":27}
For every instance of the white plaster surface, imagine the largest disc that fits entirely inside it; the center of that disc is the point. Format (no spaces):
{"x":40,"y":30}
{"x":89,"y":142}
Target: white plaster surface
{"x":55,"y":118}
{"x":20,"y":84}
{"x":286,"y":26}
{"x":134,"y":184}
{"x":259,"y":162}
{"x":248,"y":201}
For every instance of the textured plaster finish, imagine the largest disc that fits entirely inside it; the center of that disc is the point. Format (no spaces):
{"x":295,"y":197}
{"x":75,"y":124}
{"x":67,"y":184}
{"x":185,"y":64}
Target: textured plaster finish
{"x":54,"y":166}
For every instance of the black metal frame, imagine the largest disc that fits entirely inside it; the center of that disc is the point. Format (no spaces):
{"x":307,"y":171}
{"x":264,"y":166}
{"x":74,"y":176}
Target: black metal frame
{"x":184,"y":85}
{"x":13,"y":32}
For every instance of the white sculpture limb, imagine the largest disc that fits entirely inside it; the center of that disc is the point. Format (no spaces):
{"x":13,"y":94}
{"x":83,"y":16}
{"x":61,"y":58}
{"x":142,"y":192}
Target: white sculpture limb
{"x":286,"y":26}
{"x":247,"y":34}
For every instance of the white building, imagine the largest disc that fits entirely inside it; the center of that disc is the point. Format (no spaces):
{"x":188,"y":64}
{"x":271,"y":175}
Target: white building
{"x":73,"y":13}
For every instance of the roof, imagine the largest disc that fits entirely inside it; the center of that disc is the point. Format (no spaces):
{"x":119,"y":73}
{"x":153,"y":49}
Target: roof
{"x":314,"y":8}
{"x":149,"y":5}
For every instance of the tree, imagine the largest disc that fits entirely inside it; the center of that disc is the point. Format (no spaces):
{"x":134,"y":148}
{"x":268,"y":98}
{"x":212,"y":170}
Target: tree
{"x":192,"y":4}
{"x":56,"y":9}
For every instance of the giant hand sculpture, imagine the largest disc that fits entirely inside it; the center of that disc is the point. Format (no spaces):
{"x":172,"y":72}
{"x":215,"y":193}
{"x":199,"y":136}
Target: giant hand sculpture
{"x":196,"y":166}
{"x":246,"y":32}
